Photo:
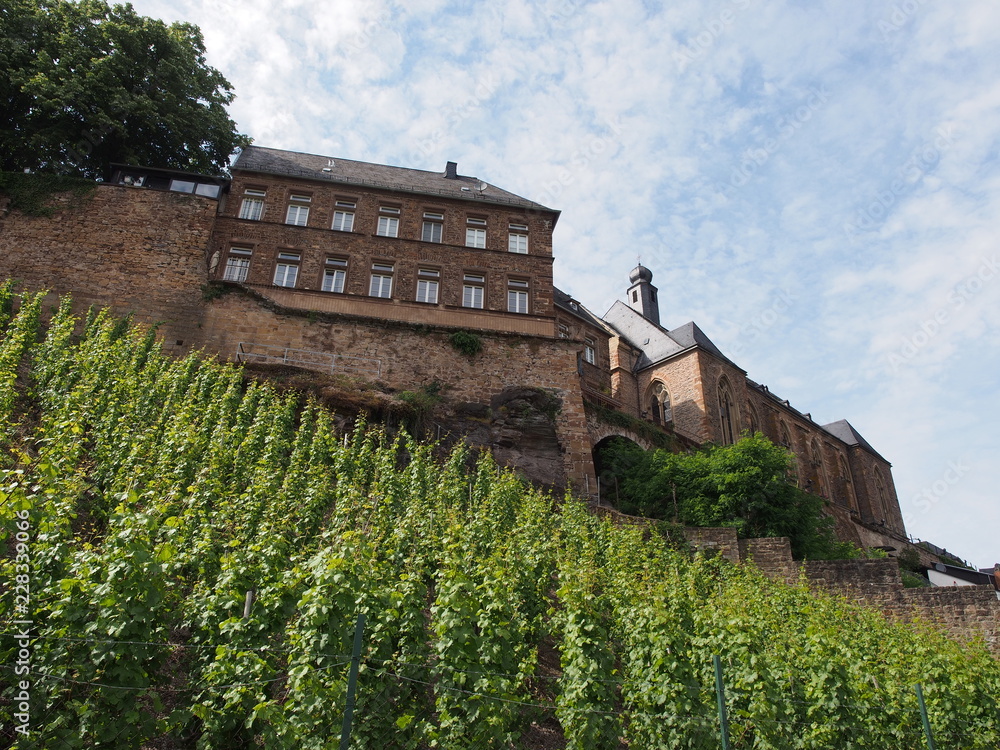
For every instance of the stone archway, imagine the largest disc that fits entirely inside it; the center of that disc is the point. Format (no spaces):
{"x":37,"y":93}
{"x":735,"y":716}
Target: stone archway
{"x":607,"y":490}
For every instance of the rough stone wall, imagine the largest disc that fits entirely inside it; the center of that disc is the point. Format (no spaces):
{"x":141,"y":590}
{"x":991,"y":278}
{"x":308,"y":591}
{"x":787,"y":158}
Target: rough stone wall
{"x":963,"y":611}
{"x":412,"y":358}
{"x":624,"y":388}
{"x":684,"y":378}
{"x":718,"y":540}
{"x":137,"y":251}
{"x":712,"y":372}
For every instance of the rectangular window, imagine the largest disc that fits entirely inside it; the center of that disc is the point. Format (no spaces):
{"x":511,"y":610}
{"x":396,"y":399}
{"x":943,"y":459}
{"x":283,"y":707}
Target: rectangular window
{"x":472,"y":291}
{"x":589,"y":353}
{"x":427,"y":291}
{"x":298,"y":210}
{"x":381,"y":284}
{"x":517,"y":243}
{"x":287,"y":270}
{"x":517,"y":296}
{"x":563,"y":331}
{"x":388,"y":226}
{"x":433,"y":227}
{"x":333,"y":280}
{"x":475,"y":233}
{"x":343,"y":203}
{"x":335,"y":275}
{"x":427,"y":285}
{"x":237,"y":264}
{"x":343,"y":221}
{"x":253,"y":205}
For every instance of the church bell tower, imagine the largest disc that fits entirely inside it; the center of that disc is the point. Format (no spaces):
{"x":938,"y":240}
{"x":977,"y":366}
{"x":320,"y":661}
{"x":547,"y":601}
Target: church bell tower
{"x":642,"y":294}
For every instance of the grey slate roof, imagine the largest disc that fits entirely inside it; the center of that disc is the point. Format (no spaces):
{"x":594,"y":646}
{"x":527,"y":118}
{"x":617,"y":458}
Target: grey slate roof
{"x":563,"y":301}
{"x":657,"y":343}
{"x":846,"y":432}
{"x":312,"y":167}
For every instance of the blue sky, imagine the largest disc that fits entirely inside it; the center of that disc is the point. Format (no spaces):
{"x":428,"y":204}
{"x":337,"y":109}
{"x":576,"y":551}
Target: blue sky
{"x":815,"y":183}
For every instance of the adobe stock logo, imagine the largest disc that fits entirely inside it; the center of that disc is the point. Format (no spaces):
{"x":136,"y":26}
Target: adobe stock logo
{"x":933,"y":493}
{"x":922,"y":160}
{"x":931,"y":326}
{"x":785,"y":127}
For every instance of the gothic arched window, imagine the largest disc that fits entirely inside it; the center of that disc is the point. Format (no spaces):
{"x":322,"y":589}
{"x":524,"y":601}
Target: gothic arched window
{"x":659,"y":403}
{"x":727,"y":413}
{"x":818,"y":468}
{"x":845,"y":475}
{"x":753,"y":421}
{"x":881,"y":496}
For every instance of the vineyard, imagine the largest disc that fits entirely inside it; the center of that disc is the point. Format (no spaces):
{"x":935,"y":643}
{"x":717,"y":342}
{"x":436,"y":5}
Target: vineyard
{"x":184,"y":556}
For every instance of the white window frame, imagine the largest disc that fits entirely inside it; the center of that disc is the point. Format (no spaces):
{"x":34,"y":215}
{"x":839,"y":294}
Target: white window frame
{"x":343,"y":221}
{"x":381,"y":280}
{"x":473,"y":291}
{"x":334,"y":280}
{"x":517,"y":243}
{"x":589,"y":351}
{"x":433,"y":228}
{"x":297,"y":213}
{"x":428,"y":285}
{"x":388,"y":226}
{"x":427,"y":291}
{"x":335,"y":275}
{"x":286,"y":271}
{"x":237,"y":264}
{"x":252,"y":208}
{"x":517,"y":296}
{"x":475,"y":237}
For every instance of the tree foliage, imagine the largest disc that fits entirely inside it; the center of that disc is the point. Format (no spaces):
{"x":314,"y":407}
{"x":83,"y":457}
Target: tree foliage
{"x":745,"y":485}
{"x":87,"y":84}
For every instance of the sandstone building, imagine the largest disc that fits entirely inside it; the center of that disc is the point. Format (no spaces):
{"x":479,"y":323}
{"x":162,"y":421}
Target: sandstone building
{"x":370,"y":270}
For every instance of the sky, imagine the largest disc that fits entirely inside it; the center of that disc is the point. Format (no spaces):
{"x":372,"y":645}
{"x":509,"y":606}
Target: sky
{"x":815,"y":183}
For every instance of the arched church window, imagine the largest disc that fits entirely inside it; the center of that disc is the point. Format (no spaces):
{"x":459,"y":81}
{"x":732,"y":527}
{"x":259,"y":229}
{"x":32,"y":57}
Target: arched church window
{"x":659,"y":403}
{"x":818,"y":469}
{"x":845,"y":474}
{"x":753,"y":421}
{"x":882,"y":498}
{"x":727,"y":413}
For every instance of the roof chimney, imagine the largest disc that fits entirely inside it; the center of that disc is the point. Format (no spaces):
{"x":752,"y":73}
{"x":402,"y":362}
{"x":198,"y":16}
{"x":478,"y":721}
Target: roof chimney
{"x":451,"y":170}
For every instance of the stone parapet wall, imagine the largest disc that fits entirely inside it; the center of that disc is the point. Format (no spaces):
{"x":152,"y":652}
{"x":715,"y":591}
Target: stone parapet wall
{"x":134,"y":250}
{"x":968,"y":612}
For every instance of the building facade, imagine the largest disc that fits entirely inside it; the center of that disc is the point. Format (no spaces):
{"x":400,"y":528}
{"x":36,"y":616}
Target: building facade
{"x":370,"y":270}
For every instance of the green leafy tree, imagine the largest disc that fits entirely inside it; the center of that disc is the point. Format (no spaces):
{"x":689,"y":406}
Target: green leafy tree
{"x":745,"y":485}
{"x":87,"y":84}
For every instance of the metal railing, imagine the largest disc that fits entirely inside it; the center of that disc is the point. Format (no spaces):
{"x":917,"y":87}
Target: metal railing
{"x":248,"y":351}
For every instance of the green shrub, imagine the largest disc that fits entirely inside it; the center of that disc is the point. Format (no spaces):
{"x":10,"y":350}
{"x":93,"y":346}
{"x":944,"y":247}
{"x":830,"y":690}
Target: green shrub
{"x":467,"y":343}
